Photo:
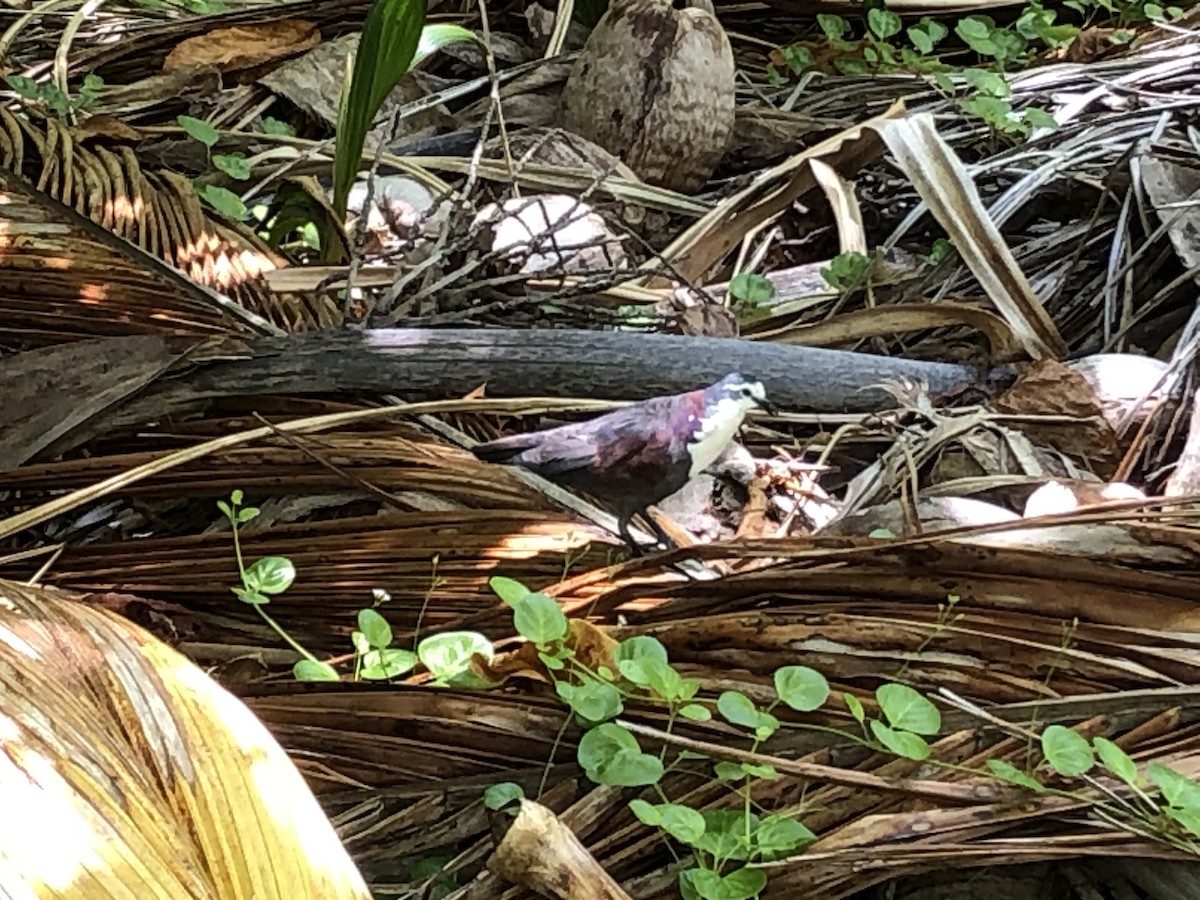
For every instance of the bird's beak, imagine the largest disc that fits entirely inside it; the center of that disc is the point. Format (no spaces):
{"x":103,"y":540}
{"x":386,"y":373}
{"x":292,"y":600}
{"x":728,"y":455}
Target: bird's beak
{"x":768,"y":407}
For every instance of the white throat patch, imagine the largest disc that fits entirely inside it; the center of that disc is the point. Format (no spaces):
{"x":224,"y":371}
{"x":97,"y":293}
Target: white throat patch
{"x":715,"y":432}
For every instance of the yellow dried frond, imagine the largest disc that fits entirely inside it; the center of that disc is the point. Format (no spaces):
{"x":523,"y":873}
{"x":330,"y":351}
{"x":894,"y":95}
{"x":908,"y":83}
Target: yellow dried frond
{"x":127,"y":772}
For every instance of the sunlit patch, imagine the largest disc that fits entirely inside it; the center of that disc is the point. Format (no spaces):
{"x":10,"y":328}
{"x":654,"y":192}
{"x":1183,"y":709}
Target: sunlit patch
{"x":216,"y":262}
{"x":46,"y":838}
{"x":123,"y":211}
{"x":279,"y":792}
{"x":14,"y":641}
{"x":93,"y":294}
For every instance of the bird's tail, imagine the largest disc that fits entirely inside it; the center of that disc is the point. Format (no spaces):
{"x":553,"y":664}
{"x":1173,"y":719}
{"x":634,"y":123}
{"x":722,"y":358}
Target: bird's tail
{"x":502,"y":450}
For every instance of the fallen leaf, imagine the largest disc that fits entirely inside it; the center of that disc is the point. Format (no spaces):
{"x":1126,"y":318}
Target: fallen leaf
{"x":244,"y":47}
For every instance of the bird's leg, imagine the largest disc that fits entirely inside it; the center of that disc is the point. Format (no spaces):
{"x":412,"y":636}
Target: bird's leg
{"x":623,"y":530}
{"x":663,"y":537}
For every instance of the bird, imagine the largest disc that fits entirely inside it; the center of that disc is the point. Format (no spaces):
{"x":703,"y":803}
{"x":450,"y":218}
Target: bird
{"x":640,"y":454}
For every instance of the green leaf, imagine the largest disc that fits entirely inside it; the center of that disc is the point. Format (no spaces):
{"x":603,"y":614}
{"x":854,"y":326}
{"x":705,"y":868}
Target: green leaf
{"x":234,"y":165}
{"x":199,"y":130}
{"x":271,"y":125}
{"x":391,"y":34}
{"x":247,"y":514}
{"x":751,"y":288}
{"x":778,"y":836}
{"x":224,"y":201}
{"x":254,"y":598}
{"x":1178,"y":790}
{"x":1039,"y":118}
{"x":388,"y":662}
{"x":801,"y":688}
{"x":683,"y":823}
{"x":737,"y":709}
{"x":595,"y":701}
{"x":725,"y":833}
{"x":313,"y":670}
{"x":973,"y":27}
{"x":1067,"y":751}
{"x":509,"y":590}
{"x":447,"y":656}
{"x":236,"y":497}
{"x":1188,"y":818}
{"x":540,"y":619}
{"x":647,"y":813}
{"x":376,"y":628}
{"x":833,"y":26}
{"x":640,"y":647}
{"x":987,"y":83}
{"x":1116,"y":760}
{"x":729,"y":771}
{"x":902,"y":743}
{"x":498,"y":796}
{"x":24,"y":86}
{"x":856,"y":708}
{"x":225,"y":509}
{"x":695,"y":712}
{"x":610,"y":755}
{"x":883,"y":22}
{"x":360,"y":642}
{"x":271,"y":575}
{"x":551,"y":661}
{"x":798,"y":58}
{"x":1006,"y":771}
{"x":907,"y":709}
{"x":442,"y":34}
{"x":740,"y":884}
{"x":921,"y":40}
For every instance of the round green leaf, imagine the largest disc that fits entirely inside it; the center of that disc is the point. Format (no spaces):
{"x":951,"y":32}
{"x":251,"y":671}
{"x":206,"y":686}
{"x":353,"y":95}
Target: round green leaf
{"x":379,"y":665}
{"x":683,"y":823}
{"x":647,"y":813}
{"x":801,"y":688}
{"x":1067,"y":751}
{"x":376,"y":628}
{"x":906,"y":709}
{"x":902,"y":743}
{"x":271,"y":574}
{"x":695,"y":712}
{"x":780,"y":835}
{"x":509,"y":590}
{"x":1006,"y":771}
{"x":448,"y":655}
{"x":737,"y":709}
{"x":883,"y":22}
{"x":498,"y":796}
{"x":205,"y":134}
{"x":224,"y":201}
{"x":540,"y":619}
{"x":1116,"y":760}
{"x":314,"y":670}
{"x":1178,"y":790}
{"x":751,"y":287}
{"x":640,"y":647}
{"x":596,"y":701}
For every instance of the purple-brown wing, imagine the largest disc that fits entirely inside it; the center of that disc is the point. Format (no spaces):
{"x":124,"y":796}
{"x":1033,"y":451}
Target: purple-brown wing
{"x":630,"y":441}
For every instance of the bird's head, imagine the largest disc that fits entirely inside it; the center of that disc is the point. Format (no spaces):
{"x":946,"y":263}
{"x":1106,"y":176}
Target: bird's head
{"x":747,"y":393}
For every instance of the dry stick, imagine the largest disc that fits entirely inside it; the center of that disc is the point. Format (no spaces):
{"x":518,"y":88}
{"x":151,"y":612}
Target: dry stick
{"x":928,"y":790}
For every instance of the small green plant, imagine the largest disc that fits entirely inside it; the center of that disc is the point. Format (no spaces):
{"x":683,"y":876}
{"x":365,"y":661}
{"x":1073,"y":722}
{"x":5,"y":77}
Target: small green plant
{"x":264,"y":578}
{"x":846,"y":271}
{"x":234,"y":165}
{"x":448,"y":657}
{"x":751,"y":292}
{"x":51,"y":97}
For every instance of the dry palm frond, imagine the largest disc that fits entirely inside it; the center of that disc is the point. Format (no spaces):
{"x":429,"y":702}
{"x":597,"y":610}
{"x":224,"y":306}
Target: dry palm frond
{"x":95,"y":277}
{"x":124,"y":767}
